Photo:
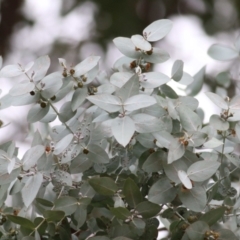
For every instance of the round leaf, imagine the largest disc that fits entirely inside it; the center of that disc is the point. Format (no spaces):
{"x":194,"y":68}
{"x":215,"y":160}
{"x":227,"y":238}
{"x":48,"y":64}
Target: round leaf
{"x":222,"y":53}
{"x":202,"y":170}
{"x":157,"y":30}
{"x":141,"y":43}
{"x":103,"y":185}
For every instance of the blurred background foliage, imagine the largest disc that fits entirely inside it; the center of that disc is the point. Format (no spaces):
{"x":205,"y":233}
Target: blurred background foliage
{"x":120,"y":18}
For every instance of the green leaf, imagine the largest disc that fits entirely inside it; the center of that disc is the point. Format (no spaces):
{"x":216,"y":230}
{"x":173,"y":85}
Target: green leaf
{"x":234,"y":159}
{"x":51,"y":84}
{"x":153,"y":79}
{"x":176,"y":151}
{"x":162,"y":192}
{"x":21,"y":221}
{"x":145,"y":123}
{"x":212,"y":216}
{"x":195,"y":87}
{"x":197,"y":230}
{"x":168,"y":91}
{"x":118,"y":79}
{"x":158,"y":56}
{"x":202,"y":170}
{"x":66,"y":204}
{"x":185,"y":179}
{"x":218,"y":123}
{"x":103,"y":185}
{"x":153,"y":162}
{"x":11,"y":71}
{"x":213,"y":143}
{"x":157,"y":30}
{"x":65,"y":112}
{"x":40,"y":67}
{"x":219,"y":101}
{"x":195,"y":199}
{"x":138,"y":101}
{"x":6,"y":177}
{"x":36,"y":113}
{"x":31,"y":157}
{"x":141,"y":43}
{"x":226,"y":234}
{"x":172,"y":169}
{"x":120,"y":213}
{"x":138,"y":223}
{"x":177,"y":70}
{"x":123,"y":129}
{"x":44,"y":202}
{"x":31,"y":188}
{"x":148,"y":209}
{"x":79,"y":97}
{"x":132,"y":193}
{"x":186,"y":79}
{"x":107,"y":102}
{"x":80,"y":216}
{"x":97,"y":154}
{"x":63,"y":144}
{"x":122,"y":238}
{"x":86,"y":65}
{"x":80,"y":164}
{"x":190,"y":120}
{"x":129,"y":89}
{"x":22,"y":88}
{"x":222,"y":53}
{"x":126,"y":47}
{"x":224,"y":79}
{"x":53,"y":215}
{"x":99,"y":238}
{"x":235,"y":103}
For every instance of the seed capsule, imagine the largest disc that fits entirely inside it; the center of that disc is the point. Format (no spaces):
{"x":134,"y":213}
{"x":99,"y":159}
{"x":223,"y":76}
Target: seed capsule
{"x":32,"y":93}
{"x":85,"y":151}
{"x":43,"y":104}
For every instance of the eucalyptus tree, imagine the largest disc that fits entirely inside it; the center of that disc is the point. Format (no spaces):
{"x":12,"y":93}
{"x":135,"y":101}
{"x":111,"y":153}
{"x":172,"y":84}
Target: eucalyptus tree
{"x":125,"y":153}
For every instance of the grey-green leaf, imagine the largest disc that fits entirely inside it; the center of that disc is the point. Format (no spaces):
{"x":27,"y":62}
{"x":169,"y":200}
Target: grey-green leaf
{"x":162,"y":192}
{"x":197,"y":230}
{"x":36,"y":113}
{"x":190,"y":120}
{"x":153,"y":162}
{"x":32,"y":155}
{"x":103,"y":185}
{"x":222,"y":53}
{"x":219,"y":101}
{"x":67,"y":204}
{"x":86,"y":65}
{"x":195,"y":87}
{"x":153,"y":79}
{"x":63,"y":144}
{"x":31,"y":188}
{"x":126,"y":47}
{"x":129,"y":89}
{"x":40,"y":67}
{"x":157,"y":30}
{"x":141,"y":43}
{"x":202,"y":170}
{"x":177,"y":70}
{"x":107,"y":102}
{"x":51,"y":84}
{"x":195,"y":199}
{"x":138,"y":101}
{"x":132,"y":193}
{"x":123,"y":129}
{"x":97,"y":154}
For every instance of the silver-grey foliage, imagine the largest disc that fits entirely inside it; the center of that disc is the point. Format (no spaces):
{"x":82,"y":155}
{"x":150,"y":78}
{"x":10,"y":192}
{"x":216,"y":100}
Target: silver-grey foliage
{"x":127,"y":151}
